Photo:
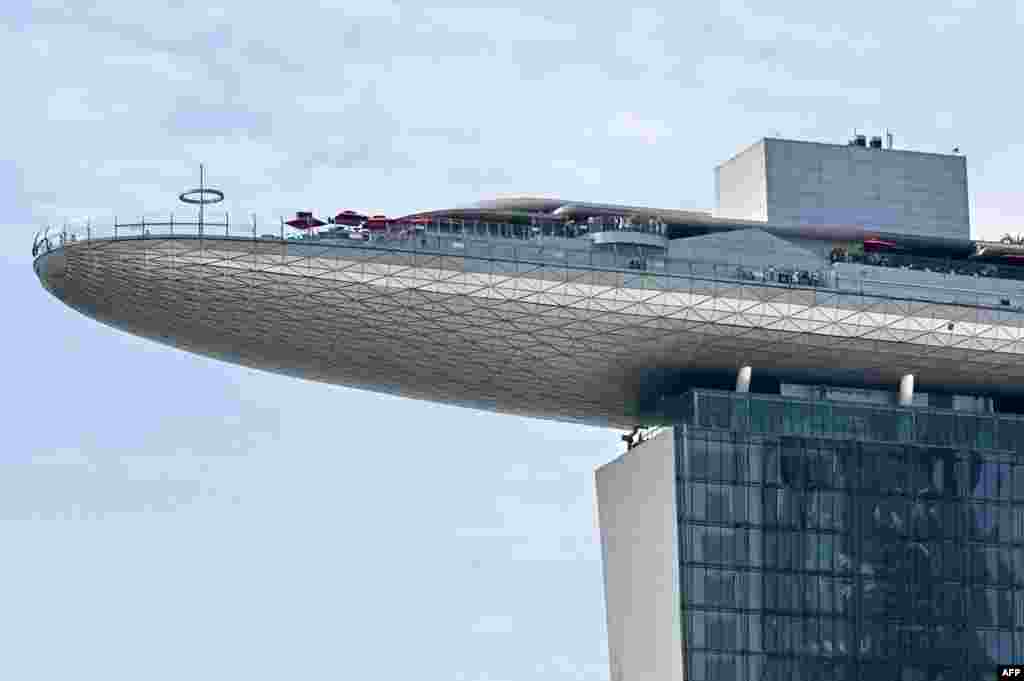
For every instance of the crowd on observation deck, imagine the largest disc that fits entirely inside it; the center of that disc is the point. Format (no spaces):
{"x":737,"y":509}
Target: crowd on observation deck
{"x":618,"y":223}
{"x":906,"y":261}
{"x":781,"y":275}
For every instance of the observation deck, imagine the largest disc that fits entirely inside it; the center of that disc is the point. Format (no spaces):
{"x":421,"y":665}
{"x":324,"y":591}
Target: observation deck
{"x":526,"y":321}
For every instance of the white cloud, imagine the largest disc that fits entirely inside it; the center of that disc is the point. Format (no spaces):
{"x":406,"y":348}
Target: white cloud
{"x":323,"y":104}
{"x":154,"y":63}
{"x":494,"y":624}
{"x":586,"y":176}
{"x":793,"y":26}
{"x":71,"y":104}
{"x":941,"y":22}
{"x":629,"y":125}
{"x":578,"y":670}
{"x":62,"y":456}
{"x":771,"y":83}
{"x":41,"y":46}
{"x":509,"y":22}
{"x":996,"y":213}
{"x":646,"y":44}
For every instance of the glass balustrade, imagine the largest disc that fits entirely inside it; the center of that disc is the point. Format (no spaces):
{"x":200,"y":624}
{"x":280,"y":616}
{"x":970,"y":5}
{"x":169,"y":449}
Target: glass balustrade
{"x":562,"y":244}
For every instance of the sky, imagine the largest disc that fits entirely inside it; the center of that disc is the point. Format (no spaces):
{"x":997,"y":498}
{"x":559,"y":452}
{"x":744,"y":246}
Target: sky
{"x":167,"y":516}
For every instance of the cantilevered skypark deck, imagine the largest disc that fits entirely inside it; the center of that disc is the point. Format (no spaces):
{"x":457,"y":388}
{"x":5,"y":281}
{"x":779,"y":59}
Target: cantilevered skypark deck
{"x":539,"y":326}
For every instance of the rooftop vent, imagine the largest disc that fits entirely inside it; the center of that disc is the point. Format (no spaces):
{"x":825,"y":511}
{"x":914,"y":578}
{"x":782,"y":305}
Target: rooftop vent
{"x":876,"y":142}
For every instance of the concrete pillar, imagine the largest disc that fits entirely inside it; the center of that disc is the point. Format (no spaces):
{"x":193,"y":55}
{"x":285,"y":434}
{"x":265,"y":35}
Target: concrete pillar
{"x":743,"y":380}
{"x":907,"y":390}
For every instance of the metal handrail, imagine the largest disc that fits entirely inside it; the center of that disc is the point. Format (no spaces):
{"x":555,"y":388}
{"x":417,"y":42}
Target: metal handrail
{"x":446,"y":235}
{"x":435,"y":235}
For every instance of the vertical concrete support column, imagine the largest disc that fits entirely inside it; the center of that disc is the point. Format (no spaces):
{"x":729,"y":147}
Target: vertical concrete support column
{"x":743,"y":380}
{"x":907,"y":390}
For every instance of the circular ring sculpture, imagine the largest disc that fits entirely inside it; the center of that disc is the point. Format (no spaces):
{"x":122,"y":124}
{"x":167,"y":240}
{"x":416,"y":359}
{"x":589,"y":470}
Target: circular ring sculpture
{"x":201,"y":197}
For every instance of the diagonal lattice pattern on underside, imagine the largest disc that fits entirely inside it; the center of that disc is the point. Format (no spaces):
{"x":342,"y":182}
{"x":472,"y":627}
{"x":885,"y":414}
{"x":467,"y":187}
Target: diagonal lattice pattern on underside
{"x":533,"y":339}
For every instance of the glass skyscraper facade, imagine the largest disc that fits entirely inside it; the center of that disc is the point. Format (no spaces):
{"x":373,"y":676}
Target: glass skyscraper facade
{"x":840,"y":541}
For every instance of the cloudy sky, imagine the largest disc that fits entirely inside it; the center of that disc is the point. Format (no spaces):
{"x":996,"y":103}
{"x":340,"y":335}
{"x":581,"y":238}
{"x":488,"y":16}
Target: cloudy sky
{"x":166,"y":516}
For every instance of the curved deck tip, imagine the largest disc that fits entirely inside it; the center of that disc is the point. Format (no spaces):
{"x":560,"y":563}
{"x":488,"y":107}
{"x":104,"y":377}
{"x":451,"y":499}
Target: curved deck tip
{"x":51,"y":268}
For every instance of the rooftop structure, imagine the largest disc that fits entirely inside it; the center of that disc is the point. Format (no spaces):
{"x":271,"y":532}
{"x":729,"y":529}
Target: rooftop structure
{"x":838,"y":493}
{"x":563,"y":309}
{"x":790,"y":182}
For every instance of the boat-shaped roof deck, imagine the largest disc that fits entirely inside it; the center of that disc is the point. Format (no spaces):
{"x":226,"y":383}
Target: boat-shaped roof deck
{"x":496,"y":316}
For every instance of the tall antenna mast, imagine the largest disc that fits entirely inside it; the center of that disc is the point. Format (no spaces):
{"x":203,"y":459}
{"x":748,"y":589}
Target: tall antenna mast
{"x":201,"y":196}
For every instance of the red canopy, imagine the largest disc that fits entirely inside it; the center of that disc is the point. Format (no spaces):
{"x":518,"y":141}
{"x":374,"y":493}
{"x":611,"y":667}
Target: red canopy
{"x":349,"y":217}
{"x":377,"y":222}
{"x":874,"y":241}
{"x":305,"y":220}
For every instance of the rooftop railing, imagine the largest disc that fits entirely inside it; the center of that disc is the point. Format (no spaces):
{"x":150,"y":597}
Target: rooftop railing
{"x":617,"y":224}
{"x":532,"y":244}
{"x":934,"y":265}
